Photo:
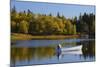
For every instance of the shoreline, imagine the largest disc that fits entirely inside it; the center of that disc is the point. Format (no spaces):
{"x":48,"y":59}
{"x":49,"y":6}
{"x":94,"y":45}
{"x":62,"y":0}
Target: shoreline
{"x":19,"y":36}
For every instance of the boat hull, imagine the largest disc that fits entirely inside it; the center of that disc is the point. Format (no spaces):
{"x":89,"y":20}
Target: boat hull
{"x":76,"y":48}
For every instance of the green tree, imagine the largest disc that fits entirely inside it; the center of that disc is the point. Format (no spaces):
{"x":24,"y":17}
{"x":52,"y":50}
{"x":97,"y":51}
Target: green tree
{"x":58,"y":15}
{"x":23,"y":27}
{"x":13,"y":26}
{"x":74,"y":29}
{"x":68,"y":27}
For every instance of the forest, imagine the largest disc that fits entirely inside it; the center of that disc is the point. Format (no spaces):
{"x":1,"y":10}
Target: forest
{"x":27,"y":22}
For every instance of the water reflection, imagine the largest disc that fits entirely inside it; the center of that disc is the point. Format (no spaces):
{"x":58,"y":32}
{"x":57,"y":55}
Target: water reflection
{"x":88,"y":49}
{"x":21,"y":54}
{"x":36,"y":53}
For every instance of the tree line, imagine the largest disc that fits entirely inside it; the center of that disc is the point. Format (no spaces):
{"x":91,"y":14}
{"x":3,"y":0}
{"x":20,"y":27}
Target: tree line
{"x":27,"y":22}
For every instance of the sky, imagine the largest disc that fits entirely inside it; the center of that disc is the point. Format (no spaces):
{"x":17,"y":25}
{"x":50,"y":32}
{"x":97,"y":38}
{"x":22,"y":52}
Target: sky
{"x":68,"y":10}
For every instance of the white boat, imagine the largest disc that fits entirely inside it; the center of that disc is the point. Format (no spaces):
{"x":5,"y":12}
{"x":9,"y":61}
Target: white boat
{"x":75,"y":48}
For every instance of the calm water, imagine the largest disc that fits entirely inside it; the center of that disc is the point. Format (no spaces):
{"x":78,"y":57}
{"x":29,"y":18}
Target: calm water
{"x":33,"y":52}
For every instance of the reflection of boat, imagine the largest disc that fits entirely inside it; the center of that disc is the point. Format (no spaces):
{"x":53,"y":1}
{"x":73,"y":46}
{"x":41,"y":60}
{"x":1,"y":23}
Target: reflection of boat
{"x":72,"y":52}
{"x":79,"y":52}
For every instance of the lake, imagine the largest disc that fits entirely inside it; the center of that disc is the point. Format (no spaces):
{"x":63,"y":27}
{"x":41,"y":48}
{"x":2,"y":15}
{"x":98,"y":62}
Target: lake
{"x":34,"y":52}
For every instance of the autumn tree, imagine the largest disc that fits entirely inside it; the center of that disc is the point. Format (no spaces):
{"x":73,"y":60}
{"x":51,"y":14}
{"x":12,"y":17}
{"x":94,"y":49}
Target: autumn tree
{"x":23,"y":27}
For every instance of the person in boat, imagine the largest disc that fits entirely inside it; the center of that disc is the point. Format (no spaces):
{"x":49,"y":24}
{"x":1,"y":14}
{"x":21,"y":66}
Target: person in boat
{"x":59,"y":46}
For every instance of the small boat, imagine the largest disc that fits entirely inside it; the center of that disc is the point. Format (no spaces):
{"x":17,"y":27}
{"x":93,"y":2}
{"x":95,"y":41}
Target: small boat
{"x":75,"y":48}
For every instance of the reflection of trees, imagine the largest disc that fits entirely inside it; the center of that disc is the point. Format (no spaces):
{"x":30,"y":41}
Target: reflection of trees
{"x":88,"y":49}
{"x":28,"y":53}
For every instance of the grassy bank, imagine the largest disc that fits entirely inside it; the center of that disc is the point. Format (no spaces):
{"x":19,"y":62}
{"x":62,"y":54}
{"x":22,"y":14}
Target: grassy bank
{"x":17,"y":36}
